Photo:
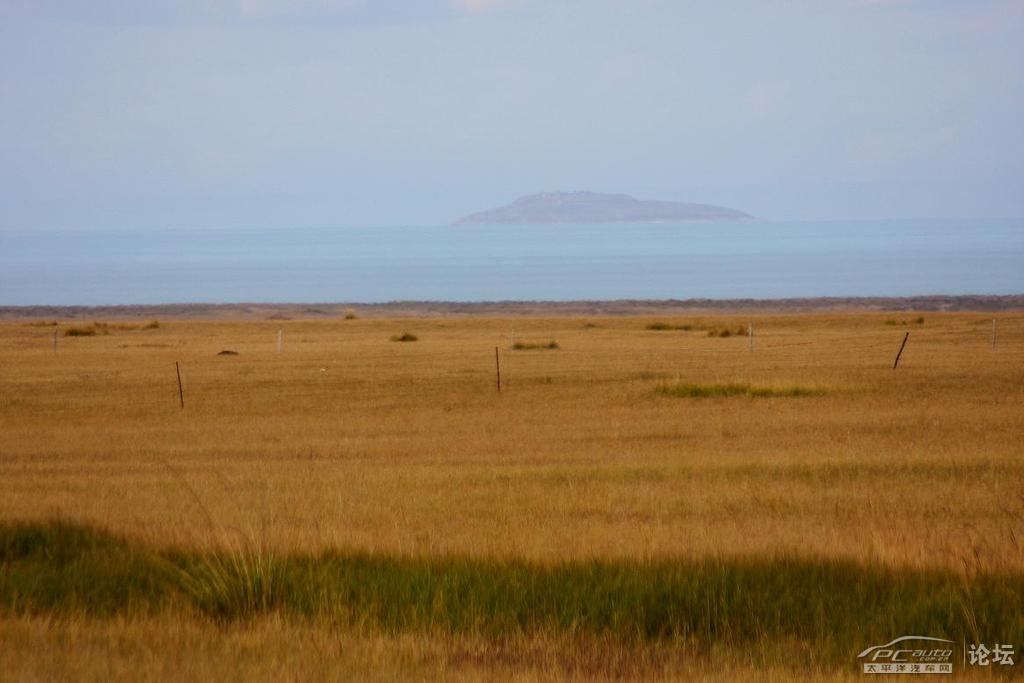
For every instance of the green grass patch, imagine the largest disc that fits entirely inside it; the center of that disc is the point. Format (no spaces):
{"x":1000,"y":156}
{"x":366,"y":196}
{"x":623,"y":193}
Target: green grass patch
{"x":70,"y":568}
{"x":533,"y":346}
{"x":713,"y":331}
{"x":727,"y":331}
{"x":405,"y":337}
{"x":99,"y":328}
{"x":839,"y":607}
{"x":723,"y":390}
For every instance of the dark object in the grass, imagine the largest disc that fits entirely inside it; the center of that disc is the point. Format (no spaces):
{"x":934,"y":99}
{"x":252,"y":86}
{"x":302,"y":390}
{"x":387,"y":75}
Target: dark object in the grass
{"x":405,"y":337}
{"x":527,"y":346}
{"x":227,"y":352}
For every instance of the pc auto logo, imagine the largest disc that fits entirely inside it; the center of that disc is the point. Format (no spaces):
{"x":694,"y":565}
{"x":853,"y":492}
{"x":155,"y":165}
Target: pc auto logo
{"x":909,"y":655}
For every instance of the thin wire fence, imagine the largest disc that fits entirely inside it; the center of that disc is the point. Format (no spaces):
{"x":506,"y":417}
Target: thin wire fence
{"x":293,"y":375}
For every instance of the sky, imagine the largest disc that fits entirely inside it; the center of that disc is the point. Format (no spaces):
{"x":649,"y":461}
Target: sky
{"x":317,"y":113}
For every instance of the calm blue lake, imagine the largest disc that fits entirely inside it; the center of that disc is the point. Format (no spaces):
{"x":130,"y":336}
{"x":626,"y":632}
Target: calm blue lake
{"x":474,"y":263}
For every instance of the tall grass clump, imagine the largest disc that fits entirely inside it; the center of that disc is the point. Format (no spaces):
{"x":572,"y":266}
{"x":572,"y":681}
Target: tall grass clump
{"x":246,"y":580}
{"x":723,"y":390}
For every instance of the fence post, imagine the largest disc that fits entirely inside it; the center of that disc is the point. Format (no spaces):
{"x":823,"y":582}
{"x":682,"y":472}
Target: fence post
{"x":900,"y":353}
{"x":497,"y":368}
{"x":55,"y":341}
{"x":181,"y":394}
{"x":750,"y":335}
{"x":280,"y":334}
{"x":993,"y":333}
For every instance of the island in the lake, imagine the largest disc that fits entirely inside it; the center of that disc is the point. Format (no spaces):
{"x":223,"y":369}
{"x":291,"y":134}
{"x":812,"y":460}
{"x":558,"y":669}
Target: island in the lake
{"x":594,"y":207}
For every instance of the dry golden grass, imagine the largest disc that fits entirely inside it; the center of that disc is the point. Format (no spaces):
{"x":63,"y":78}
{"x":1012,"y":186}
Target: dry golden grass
{"x":276,"y":649}
{"x":348,"y":440}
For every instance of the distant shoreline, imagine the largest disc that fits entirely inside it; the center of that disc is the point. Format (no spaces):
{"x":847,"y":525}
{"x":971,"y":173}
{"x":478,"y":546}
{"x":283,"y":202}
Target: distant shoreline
{"x":621,"y":307}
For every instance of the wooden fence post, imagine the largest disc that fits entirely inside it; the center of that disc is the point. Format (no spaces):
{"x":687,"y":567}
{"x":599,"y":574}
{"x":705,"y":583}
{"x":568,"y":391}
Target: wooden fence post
{"x":181,"y":394}
{"x":497,"y":368}
{"x":900,"y":353}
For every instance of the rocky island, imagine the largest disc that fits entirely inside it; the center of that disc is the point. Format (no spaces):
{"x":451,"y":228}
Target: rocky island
{"x":594,"y":207}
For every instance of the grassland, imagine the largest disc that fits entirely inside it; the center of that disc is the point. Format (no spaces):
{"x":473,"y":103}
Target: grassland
{"x":644,"y":503}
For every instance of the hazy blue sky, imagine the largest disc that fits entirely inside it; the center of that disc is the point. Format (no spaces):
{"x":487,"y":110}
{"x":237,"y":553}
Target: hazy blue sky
{"x":268,"y":113}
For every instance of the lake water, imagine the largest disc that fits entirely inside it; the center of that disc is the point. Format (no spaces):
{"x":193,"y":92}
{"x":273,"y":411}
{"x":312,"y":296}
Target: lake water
{"x":487,"y":263}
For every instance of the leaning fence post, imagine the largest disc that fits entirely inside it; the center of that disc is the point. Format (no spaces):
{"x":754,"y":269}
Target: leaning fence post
{"x":181,"y":394}
{"x":900,"y":353}
{"x":497,"y":368}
